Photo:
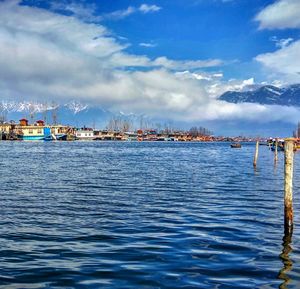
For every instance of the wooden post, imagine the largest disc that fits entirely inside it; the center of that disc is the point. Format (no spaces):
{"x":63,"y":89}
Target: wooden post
{"x":288,"y":184}
{"x":256,"y":154}
{"x":276,"y":151}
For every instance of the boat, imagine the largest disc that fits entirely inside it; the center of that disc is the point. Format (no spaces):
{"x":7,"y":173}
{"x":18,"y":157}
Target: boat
{"x":280,"y":145}
{"x":236,"y":145}
{"x":85,"y":134}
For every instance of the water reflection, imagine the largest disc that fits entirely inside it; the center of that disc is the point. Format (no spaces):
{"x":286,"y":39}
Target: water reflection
{"x":284,"y":256}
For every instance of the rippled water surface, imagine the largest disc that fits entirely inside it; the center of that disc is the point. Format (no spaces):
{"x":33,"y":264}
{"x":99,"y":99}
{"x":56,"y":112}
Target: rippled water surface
{"x":144,"y":215}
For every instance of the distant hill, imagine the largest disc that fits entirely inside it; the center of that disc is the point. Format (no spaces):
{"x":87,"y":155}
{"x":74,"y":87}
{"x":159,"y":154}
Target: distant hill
{"x":267,"y":94}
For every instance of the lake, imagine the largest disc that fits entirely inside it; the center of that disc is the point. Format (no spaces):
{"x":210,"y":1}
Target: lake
{"x":144,"y":215}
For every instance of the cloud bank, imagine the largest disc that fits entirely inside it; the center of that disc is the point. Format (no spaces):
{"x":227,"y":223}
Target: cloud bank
{"x":46,"y":56}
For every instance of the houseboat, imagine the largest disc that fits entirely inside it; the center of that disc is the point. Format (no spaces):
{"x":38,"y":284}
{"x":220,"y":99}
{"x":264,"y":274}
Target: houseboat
{"x":36,"y":131}
{"x":131,"y":136}
{"x":85,"y":134}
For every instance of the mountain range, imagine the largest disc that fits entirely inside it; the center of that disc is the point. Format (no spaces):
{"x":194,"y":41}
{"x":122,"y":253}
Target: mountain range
{"x":266,"y":94}
{"x":72,"y":113}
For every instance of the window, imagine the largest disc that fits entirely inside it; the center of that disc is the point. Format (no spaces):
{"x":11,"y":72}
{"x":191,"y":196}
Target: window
{"x":30,"y":131}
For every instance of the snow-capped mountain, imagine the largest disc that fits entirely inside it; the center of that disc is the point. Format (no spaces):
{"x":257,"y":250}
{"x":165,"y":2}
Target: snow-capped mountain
{"x":38,"y":107}
{"x":72,"y":113}
{"x":76,"y":106}
{"x":267,"y":94}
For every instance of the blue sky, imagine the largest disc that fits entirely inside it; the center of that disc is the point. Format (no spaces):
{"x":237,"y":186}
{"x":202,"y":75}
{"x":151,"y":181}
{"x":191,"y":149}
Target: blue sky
{"x":209,"y":29}
{"x":162,"y":58}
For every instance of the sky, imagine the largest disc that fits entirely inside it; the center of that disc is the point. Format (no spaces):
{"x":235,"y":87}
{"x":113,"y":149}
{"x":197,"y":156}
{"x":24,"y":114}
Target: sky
{"x":166,"y":58}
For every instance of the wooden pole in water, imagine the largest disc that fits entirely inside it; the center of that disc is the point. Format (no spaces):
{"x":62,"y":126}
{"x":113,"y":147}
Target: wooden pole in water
{"x":256,"y":154}
{"x":276,"y":151}
{"x":288,"y":184}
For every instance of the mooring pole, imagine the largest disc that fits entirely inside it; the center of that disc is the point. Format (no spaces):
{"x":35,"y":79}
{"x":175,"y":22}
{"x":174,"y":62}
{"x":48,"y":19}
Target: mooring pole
{"x":276,"y":151}
{"x":288,"y":184}
{"x":256,"y":154}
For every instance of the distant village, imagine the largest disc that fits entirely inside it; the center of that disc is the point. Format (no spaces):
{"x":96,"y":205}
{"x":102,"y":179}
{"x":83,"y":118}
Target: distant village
{"x":39,"y":130}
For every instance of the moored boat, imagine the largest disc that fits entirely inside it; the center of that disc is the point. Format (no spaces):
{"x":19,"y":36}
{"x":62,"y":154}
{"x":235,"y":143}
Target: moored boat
{"x":85,"y":134}
{"x":236,"y":145}
{"x":280,"y":145}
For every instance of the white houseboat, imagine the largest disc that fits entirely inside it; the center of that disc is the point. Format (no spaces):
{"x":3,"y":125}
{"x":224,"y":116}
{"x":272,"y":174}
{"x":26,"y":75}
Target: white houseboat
{"x":85,"y":134}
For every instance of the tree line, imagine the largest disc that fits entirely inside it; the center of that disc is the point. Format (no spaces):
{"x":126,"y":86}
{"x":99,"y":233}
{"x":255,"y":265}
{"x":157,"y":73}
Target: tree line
{"x":125,"y":124}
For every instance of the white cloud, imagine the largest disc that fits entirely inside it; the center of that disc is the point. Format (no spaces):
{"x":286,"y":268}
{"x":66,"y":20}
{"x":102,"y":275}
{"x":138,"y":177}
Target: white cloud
{"x":214,"y":83}
{"x":87,"y":12}
{"x":122,"y":59}
{"x":81,"y":10}
{"x":281,"y":42}
{"x":48,"y":56}
{"x":188,"y":64}
{"x":281,"y":14}
{"x":219,"y":87}
{"x":149,"y":8}
{"x":120,"y":14}
{"x":221,"y":110}
{"x":150,"y":45}
{"x":283,"y":63}
{"x":197,"y":2}
{"x":198,"y":75}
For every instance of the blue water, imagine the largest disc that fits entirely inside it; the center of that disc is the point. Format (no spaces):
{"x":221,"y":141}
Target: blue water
{"x":144,"y":215}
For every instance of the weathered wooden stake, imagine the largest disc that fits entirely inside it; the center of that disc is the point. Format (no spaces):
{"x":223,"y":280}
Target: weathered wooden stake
{"x":276,"y":151}
{"x":256,"y":154}
{"x":288,"y":184}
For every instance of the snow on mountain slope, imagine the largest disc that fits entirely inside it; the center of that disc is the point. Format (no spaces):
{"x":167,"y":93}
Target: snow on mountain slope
{"x":267,"y":94}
